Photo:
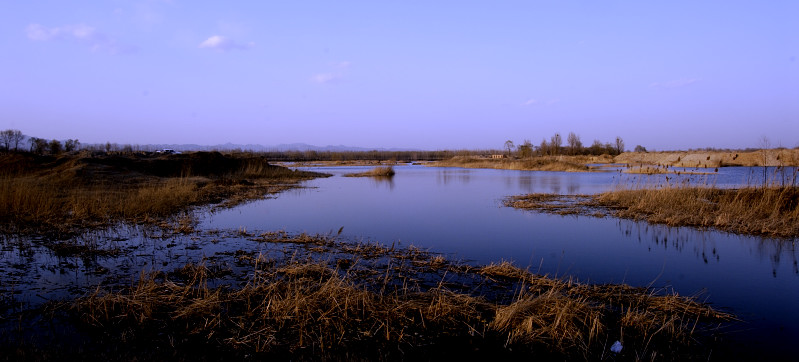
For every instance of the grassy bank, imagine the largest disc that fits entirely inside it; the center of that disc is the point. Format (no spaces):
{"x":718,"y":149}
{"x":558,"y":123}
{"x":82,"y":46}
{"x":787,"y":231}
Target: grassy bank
{"x":377,"y":302}
{"x":61,"y":194}
{"x":772,"y":211}
{"x":543,"y":163}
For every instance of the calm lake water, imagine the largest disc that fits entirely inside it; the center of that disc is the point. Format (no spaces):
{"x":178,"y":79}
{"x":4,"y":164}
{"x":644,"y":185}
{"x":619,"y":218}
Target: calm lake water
{"x":459,"y":212}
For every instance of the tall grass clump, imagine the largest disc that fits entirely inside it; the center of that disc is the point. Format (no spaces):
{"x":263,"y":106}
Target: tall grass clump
{"x":767,"y":210}
{"x":382,"y":171}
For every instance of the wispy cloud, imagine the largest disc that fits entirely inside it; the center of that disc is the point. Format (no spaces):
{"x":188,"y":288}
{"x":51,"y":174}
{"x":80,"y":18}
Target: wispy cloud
{"x":678,"y":83}
{"x":326,"y":77}
{"x":221,"y":43}
{"x":334,"y":76}
{"x":82,"y":33}
{"x":537,"y":102}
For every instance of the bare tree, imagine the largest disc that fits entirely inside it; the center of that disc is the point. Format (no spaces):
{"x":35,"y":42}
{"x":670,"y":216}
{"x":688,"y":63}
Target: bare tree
{"x":509,"y":146}
{"x":555,"y":143}
{"x":619,"y":145}
{"x":575,"y":145}
{"x":5,"y":139}
{"x":38,"y":145}
{"x":16,"y":138}
{"x":71,"y":145}
{"x":596,"y":148}
{"x":526,"y":149}
{"x":55,"y":147}
{"x":544,"y":147}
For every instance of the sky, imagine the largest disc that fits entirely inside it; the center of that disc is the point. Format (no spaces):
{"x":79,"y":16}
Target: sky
{"x":402,"y":74}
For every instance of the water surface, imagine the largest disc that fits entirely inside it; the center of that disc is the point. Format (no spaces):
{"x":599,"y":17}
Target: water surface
{"x":459,"y":212}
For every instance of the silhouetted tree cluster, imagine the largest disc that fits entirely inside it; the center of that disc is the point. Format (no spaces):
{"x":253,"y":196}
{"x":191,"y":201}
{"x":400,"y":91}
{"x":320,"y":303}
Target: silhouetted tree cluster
{"x":41,"y":146}
{"x":574,"y":146}
{"x":11,"y":137}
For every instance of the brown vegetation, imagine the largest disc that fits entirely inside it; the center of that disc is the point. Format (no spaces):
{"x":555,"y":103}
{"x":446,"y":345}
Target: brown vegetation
{"x":68,"y":192}
{"x":542,"y":163}
{"x":386,"y":171}
{"x":308,"y":308}
{"x":772,"y":211}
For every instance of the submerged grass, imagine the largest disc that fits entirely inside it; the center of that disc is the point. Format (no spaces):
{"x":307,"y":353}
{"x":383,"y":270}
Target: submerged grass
{"x":314,"y":310}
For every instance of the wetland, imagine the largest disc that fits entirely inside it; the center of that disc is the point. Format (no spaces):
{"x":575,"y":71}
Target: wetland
{"x":425,"y":237}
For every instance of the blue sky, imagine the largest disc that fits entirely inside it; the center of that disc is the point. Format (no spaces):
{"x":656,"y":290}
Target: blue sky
{"x":415,"y":74}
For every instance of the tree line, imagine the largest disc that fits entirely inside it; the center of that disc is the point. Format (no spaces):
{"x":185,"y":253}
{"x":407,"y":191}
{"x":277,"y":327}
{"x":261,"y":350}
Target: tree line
{"x":574,"y":146}
{"x":39,"y":146}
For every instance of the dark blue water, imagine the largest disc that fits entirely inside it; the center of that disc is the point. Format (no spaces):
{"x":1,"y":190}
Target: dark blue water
{"x":459,"y":212}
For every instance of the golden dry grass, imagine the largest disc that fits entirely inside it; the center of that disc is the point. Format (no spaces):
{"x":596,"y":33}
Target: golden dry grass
{"x":543,"y":163}
{"x":383,"y":171}
{"x":772,"y":211}
{"x":751,"y":210}
{"x":309,"y":307}
{"x":62,"y":194}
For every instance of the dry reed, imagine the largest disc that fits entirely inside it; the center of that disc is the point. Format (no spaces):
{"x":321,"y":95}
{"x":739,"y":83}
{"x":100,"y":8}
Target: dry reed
{"x":310,"y":308}
{"x":750,"y":210}
{"x":541,"y":163}
{"x":63,"y":194}
{"x":383,"y":171}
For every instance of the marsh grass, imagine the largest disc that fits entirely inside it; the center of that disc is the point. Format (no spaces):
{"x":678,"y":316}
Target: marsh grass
{"x":541,"y":163}
{"x":382,"y":171}
{"x":63,"y":194}
{"x":750,"y":210}
{"x":317,"y":309}
{"x":772,"y":210}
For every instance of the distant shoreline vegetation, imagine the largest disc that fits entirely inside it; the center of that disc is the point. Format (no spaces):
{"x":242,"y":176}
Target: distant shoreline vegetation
{"x":571,"y":156}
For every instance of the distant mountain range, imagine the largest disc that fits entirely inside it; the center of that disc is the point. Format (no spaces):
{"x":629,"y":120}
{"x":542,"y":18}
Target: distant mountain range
{"x":232,"y":146}
{"x":261,"y":148}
